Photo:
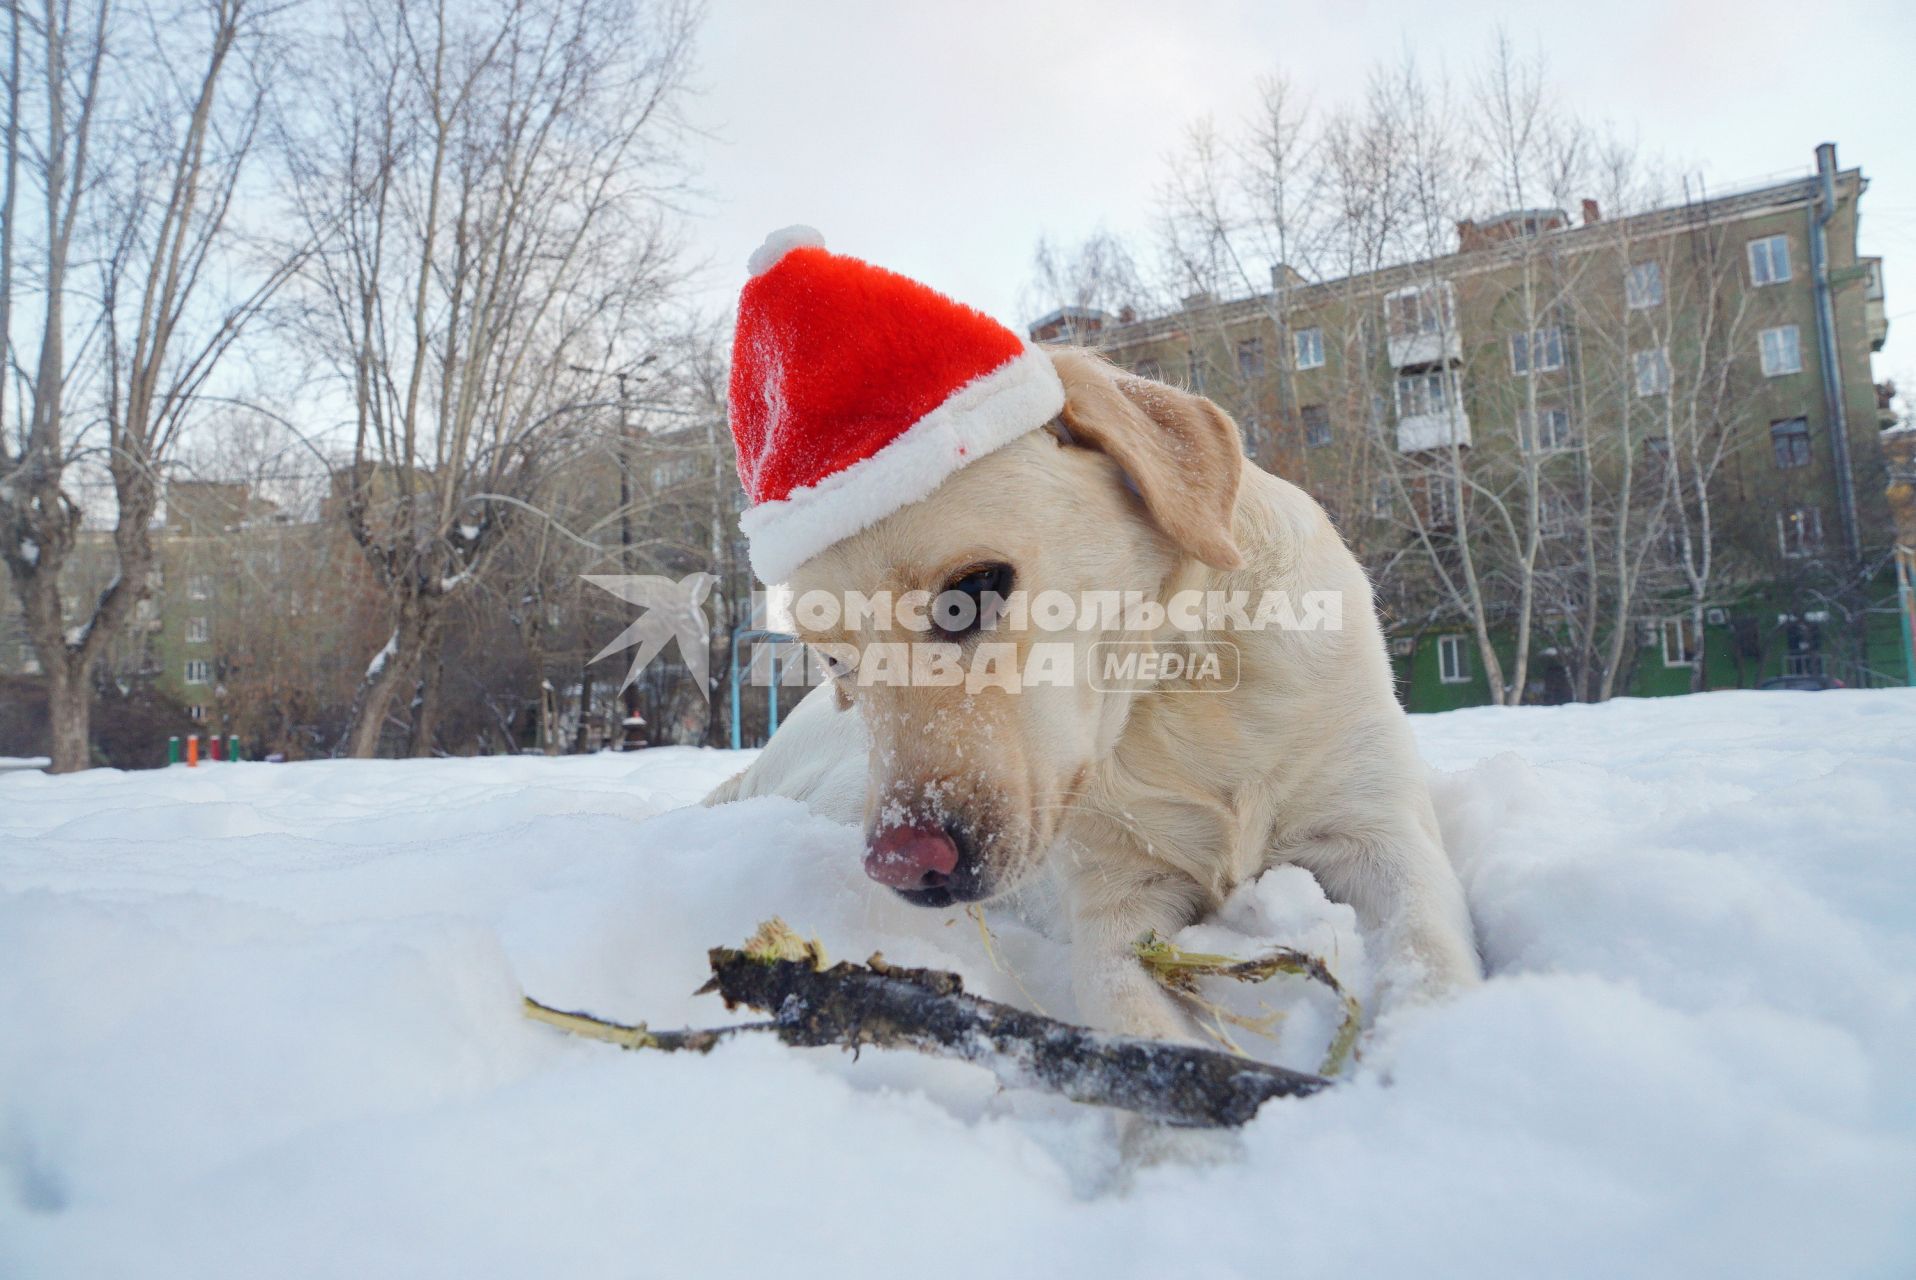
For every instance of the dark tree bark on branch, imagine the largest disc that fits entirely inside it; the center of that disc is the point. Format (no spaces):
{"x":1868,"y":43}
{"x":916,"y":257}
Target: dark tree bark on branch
{"x":885,"y":1006}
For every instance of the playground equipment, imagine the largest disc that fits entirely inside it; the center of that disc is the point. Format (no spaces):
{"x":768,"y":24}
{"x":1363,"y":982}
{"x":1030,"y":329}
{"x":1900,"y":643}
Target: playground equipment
{"x":217,"y":748}
{"x":774,"y":638}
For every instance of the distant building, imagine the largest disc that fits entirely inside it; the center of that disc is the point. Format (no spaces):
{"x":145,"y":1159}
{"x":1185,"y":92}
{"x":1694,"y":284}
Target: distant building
{"x":1361,"y":389}
{"x":1079,"y":326}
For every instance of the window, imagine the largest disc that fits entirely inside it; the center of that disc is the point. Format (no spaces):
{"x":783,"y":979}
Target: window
{"x":1539,"y":351}
{"x":1443,"y":511}
{"x":1782,"y":353}
{"x":1679,"y":642}
{"x":1643,"y":285}
{"x":1546,"y":429}
{"x":1317,"y":425}
{"x":1555,"y":514}
{"x":1453,"y":660}
{"x":196,"y":711}
{"x":1150,"y":369}
{"x":1310,"y":348}
{"x":1381,"y":500}
{"x":1250,"y":358}
{"x":1421,"y":393}
{"x":196,"y":631}
{"x":1418,"y":311}
{"x":1799,"y":531}
{"x":1652,"y":370}
{"x":1251,"y":431}
{"x":199,"y":586}
{"x":1769,"y":260}
{"x":673,"y":471}
{"x":199,"y":671}
{"x":1790,"y":443}
{"x":1676,"y":543}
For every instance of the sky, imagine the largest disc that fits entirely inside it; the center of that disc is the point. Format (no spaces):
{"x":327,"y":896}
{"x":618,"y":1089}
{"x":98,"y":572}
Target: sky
{"x":942,"y":139}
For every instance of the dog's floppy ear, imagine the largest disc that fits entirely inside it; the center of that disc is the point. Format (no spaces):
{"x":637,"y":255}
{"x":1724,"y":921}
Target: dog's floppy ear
{"x":1180,"y":450}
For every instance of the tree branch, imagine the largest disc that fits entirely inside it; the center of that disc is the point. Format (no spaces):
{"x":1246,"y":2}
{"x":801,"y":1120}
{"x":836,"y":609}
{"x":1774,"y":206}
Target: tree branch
{"x":886,"y":1006}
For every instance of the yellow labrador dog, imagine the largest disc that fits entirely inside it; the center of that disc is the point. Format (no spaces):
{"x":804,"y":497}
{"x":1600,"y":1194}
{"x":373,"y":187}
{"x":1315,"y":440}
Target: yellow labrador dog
{"x":1150,"y":799}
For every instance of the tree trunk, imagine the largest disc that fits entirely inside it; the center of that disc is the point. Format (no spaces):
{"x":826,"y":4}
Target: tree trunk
{"x":1699,"y":675}
{"x":384,"y":678}
{"x":69,"y":717}
{"x":582,"y":737}
{"x":425,"y":717}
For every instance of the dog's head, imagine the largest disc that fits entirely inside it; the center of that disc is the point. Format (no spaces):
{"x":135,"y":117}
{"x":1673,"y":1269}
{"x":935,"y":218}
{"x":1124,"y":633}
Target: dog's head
{"x":971,"y":777}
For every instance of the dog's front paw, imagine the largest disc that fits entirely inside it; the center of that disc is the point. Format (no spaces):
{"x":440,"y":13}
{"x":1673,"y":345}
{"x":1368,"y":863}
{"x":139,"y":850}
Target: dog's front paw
{"x":1117,"y":995}
{"x":1427,"y":965}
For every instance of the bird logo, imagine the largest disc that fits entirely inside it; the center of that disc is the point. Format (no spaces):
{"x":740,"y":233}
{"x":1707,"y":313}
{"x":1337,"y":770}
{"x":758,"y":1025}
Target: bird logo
{"x":674,"y":612}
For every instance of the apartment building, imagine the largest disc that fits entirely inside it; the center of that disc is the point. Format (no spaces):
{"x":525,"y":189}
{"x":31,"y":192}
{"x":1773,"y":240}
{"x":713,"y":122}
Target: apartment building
{"x":1683,"y":387}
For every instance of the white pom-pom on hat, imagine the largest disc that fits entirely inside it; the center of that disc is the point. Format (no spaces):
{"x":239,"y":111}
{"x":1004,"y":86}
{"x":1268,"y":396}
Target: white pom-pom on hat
{"x":780,"y":243}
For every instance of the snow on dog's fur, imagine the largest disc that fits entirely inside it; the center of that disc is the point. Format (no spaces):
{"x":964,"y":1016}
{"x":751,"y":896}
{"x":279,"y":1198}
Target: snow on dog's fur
{"x":1152,"y":801}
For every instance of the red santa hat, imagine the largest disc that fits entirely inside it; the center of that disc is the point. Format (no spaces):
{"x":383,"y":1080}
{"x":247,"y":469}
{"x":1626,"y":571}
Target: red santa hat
{"x":856,"y":391}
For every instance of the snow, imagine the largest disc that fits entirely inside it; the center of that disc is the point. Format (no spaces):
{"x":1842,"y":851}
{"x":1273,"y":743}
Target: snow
{"x":385,"y":655}
{"x":264,"y":1019}
{"x":778,"y":244}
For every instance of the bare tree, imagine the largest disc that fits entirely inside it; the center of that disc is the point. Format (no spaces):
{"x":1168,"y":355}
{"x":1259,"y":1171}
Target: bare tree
{"x":495,"y":192}
{"x":125,"y":285}
{"x":1699,"y":415}
{"x":1428,"y":217}
{"x":1097,"y":274}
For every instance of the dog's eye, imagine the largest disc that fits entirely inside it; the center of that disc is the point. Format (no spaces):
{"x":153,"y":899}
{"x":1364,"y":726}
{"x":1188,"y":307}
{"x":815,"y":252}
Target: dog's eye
{"x":972,"y":600}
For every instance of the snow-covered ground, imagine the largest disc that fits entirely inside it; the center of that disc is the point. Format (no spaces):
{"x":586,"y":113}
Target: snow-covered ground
{"x":264,"y":1020}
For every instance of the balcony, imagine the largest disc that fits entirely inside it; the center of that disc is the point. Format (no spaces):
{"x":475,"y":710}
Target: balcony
{"x":1430,"y":411}
{"x":1420,"y":324}
{"x":1418,"y":432}
{"x":1410,"y":350}
{"x":1875,"y":308}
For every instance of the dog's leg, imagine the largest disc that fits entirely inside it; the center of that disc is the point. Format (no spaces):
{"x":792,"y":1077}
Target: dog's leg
{"x":1405,"y":895}
{"x":1112,"y":908}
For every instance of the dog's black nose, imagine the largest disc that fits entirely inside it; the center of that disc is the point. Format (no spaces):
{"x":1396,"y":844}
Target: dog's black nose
{"x":912,"y":857}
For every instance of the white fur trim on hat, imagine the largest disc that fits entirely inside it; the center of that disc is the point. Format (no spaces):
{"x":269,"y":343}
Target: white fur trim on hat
{"x":986,"y":413}
{"x":780,"y":243}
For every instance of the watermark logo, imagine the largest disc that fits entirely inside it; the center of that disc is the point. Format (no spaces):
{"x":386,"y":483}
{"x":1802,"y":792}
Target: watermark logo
{"x":1059,"y":611}
{"x":675,"y":612}
{"x":1126,"y":640}
{"x":1118,"y":665}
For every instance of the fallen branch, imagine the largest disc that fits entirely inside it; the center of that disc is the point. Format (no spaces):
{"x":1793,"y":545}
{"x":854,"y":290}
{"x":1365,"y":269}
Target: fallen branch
{"x":886,"y":1006}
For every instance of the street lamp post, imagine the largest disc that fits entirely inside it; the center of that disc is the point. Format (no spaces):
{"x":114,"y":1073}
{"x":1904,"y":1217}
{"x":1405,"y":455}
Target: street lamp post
{"x":632,"y":724}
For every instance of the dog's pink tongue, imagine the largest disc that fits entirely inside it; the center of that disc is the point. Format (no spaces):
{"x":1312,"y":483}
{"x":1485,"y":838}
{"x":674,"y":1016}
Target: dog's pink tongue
{"x":911,"y":857}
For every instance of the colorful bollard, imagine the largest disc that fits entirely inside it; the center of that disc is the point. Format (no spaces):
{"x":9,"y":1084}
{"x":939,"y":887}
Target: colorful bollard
{"x":192,"y":750}
{"x":232,"y":746}
{"x":173,"y":749}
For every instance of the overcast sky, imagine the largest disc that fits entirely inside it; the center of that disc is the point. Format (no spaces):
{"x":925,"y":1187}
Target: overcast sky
{"x":940,"y":139}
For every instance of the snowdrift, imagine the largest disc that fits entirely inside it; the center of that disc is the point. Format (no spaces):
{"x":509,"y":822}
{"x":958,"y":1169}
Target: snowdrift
{"x":264,"y":1020}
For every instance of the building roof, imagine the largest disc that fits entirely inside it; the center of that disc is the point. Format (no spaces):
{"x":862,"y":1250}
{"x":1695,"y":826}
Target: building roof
{"x":1751,"y":202}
